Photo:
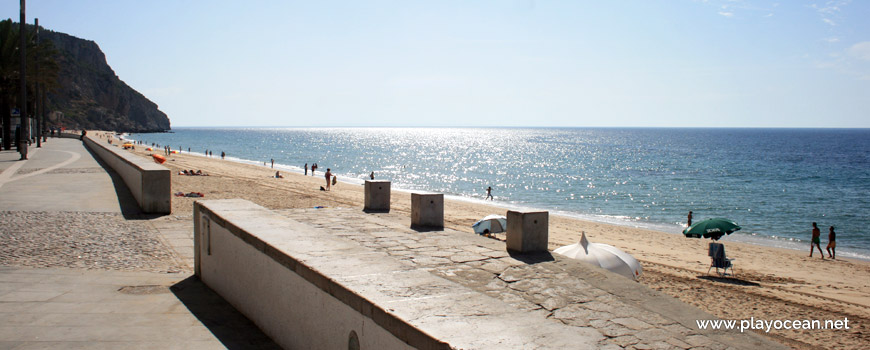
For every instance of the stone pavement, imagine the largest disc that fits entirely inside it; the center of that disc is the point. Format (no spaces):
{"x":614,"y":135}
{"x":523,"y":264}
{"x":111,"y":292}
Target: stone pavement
{"x":545,"y":286}
{"x":82,"y":267}
{"x":60,"y":176}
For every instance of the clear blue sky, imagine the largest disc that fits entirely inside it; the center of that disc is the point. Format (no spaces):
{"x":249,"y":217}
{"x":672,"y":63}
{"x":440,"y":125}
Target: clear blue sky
{"x":484,"y":63}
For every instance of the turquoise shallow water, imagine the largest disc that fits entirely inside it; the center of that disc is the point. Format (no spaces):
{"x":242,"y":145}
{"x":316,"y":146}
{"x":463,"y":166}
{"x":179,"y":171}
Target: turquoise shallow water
{"x":773,"y":182}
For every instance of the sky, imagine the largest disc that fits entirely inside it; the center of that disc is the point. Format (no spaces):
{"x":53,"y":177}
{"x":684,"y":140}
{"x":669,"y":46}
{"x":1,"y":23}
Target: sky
{"x":674,"y":63}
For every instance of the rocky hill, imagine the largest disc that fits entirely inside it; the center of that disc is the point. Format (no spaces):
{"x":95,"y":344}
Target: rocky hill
{"x":91,"y":96}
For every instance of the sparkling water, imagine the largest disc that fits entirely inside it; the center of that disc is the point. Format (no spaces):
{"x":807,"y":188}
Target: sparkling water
{"x":773,"y":182}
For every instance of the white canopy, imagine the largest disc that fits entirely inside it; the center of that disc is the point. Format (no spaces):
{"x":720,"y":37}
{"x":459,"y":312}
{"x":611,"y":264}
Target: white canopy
{"x":603,"y":255}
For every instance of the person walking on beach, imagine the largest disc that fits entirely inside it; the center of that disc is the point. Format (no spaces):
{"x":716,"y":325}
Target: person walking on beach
{"x":689,"y":221}
{"x":816,"y":241}
{"x":372,"y":175}
{"x":489,"y":193}
{"x":223,"y":155}
{"x":273,"y":163}
{"x":313,"y":168}
{"x":329,"y":179}
{"x":832,"y":243}
{"x":306,"y":169}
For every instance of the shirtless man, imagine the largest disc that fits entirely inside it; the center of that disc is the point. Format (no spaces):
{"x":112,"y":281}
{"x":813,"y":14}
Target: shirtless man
{"x":832,"y":244}
{"x":816,"y":241}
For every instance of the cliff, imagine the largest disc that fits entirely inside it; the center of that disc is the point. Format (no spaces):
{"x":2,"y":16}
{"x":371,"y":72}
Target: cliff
{"x":91,"y":96}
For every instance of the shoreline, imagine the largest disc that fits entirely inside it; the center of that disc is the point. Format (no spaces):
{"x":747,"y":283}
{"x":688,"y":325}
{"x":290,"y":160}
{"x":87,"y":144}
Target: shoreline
{"x":770,"y":283}
{"x":737,"y":237}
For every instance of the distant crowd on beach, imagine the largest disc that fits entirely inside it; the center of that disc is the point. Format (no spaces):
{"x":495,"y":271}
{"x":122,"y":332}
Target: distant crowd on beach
{"x":330,"y":178}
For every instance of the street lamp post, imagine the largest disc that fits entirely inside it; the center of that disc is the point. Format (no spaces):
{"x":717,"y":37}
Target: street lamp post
{"x":37,"y":111}
{"x":22,"y":103}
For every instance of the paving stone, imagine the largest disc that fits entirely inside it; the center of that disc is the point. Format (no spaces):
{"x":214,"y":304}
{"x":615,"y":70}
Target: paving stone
{"x":678,"y":343}
{"x":625,"y":340}
{"x":698,"y":340}
{"x":632,"y":323}
{"x":105,"y":241}
{"x":614,"y":330}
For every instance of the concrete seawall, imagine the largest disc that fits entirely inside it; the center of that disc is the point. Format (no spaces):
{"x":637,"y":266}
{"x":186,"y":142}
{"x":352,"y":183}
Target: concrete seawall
{"x":308,"y":289}
{"x":366,"y":281}
{"x":150,"y":183}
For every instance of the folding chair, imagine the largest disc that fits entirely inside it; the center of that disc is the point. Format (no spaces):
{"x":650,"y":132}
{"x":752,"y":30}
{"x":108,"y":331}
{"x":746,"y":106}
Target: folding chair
{"x":718,"y":260}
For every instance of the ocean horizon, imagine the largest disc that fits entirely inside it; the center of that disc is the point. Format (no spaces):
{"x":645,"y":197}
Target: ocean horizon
{"x":773,"y":181}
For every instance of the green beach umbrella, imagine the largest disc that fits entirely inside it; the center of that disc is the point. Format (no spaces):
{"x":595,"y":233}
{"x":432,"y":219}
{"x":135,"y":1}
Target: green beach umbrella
{"x":711,"y":228}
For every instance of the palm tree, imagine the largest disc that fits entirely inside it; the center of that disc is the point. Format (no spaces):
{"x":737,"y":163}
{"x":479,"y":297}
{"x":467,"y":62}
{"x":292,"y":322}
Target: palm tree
{"x":10,"y":67}
{"x":8,"y":76}
{"x":43,"y":74}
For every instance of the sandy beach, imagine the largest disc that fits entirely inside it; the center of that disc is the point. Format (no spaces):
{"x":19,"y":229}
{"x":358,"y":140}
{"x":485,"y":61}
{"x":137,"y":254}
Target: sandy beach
{"x":770,"y":283}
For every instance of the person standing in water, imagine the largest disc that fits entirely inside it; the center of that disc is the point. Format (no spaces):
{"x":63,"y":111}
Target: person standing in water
{"x":329,"y":179}
{"x":816,"y":241}
{"x":306,"y":169}
{"x":489,"y":193}
{"x":832,"y":243}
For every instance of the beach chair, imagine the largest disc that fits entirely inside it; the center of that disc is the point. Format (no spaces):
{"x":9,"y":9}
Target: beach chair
{"x":718,"y":259}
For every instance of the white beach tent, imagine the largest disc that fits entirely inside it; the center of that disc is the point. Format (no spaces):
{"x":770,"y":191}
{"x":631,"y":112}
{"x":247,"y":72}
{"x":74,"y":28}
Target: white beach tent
{"x":603,"y":255}
{"x":490,"y":224}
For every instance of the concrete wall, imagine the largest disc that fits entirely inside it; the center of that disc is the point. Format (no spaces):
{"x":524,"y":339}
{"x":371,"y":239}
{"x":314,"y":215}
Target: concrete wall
{"x":298,"y":306}
{"x":148,"y":181}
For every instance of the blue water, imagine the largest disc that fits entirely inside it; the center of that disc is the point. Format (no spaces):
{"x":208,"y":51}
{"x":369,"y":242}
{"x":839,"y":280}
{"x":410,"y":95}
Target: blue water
{"x":773,"y":182}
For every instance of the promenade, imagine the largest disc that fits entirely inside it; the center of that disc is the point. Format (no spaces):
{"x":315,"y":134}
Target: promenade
{"x":82,"y":267}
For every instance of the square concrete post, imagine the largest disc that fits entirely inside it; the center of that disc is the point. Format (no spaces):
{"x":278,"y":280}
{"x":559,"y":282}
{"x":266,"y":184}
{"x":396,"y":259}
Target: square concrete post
{"x":527,"y":231}
{"x":427,"y":210}
{"x":377,"y":195}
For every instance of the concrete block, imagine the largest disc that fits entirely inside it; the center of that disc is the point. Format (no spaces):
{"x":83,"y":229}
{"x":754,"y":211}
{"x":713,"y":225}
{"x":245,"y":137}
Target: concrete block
{"x":377,"y":195}
{"x":427,"y":210}
{"x":527,"y":231}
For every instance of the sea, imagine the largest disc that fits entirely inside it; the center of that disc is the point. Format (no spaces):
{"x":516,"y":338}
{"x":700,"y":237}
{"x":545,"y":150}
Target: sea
{"x":773,"y":182}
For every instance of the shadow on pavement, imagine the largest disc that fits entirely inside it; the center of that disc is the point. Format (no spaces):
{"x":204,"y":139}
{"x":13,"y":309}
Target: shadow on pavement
{"x":229,"y":326}
{"x":532,"y":258}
